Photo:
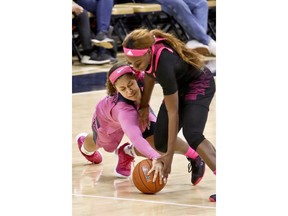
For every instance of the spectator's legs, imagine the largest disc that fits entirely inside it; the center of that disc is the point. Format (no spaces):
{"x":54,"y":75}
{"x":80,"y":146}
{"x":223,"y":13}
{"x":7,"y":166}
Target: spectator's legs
{"x":182,"y":14}
{"x":103,"y":15}
{"x":200,"y":10}
{"x":83,"y":26}
{"x":102,"y":9}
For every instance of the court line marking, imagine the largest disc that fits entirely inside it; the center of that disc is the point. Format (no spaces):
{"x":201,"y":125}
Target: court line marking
{"x":96,"y":91}
{"x":147,"y":201}
{"x":90,"y":92}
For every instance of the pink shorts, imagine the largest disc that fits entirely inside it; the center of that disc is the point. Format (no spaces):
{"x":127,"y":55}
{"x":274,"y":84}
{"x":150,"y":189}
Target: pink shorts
{"x":109,"y":142}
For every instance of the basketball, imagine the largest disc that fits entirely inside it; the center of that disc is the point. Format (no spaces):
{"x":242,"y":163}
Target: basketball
{"x":144,"y":182}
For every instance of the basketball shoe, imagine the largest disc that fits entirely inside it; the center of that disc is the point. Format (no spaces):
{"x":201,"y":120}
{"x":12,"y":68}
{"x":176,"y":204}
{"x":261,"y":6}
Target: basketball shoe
{"x":102,"y":40}
{"x":123,"y":168}
{"x":212,"y":198}
{"x":197,"y":169}
{"x":198,"y":47}
{"x":96,"y":157}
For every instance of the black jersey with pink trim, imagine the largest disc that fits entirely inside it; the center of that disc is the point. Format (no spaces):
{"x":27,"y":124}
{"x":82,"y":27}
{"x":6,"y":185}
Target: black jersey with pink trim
{"x":170,"y":70}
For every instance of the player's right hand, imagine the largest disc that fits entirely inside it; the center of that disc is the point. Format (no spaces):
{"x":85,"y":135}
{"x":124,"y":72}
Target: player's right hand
{"x":158,"y":167}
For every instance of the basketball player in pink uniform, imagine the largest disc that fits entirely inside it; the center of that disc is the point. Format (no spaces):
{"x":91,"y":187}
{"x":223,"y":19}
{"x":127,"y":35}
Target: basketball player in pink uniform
{"x":116,"y":115}
{"x":188,"y":88}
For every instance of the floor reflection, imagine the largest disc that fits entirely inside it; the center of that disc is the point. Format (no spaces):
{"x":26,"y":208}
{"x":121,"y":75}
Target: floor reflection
{"x":92,"y":175}
{"x":88,"y":179}
{"x":122,"y":187}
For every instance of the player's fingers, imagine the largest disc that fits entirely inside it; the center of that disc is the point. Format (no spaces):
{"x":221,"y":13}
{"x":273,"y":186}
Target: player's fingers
{"x":169,"y":171}
{"x":151,"y":170}
{"x":155,"y":175}
{"x":159,"y":172}
{"x":165,"y":180}
{"x":160,"y":178}
{"x":164,"y":175}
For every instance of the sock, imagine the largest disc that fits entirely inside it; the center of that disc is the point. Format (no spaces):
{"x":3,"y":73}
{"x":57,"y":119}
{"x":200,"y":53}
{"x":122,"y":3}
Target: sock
{"x":191,"y":153}
{"x":84,"y":151}
{"x":214,"y":171}
{"x":129,"y":149}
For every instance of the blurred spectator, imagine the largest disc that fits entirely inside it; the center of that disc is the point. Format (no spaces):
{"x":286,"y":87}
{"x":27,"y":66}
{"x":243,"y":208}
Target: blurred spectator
{"x":102,"y":10}
{"x":192,"y":15}
{"x":91,"y":55}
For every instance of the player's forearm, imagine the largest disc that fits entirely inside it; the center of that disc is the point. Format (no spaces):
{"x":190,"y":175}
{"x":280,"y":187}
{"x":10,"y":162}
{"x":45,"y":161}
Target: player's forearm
{"x":147,"y":92}
{"x":172,"y":131}
{"x":171,"y":102}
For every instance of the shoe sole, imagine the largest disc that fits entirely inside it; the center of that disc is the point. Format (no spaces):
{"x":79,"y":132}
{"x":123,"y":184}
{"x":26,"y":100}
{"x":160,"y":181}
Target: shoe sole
{"x":105,"y":44}
{"x":118,"y":175}
{"x":211,"y":199}
{"x":202,"y":50}
{"x":95,"y":62}
{"x":211,"y":55}
{"x":101,"y":157}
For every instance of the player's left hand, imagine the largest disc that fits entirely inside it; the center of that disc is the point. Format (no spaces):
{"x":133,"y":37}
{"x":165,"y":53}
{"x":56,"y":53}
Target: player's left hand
{"x":166,"y":159}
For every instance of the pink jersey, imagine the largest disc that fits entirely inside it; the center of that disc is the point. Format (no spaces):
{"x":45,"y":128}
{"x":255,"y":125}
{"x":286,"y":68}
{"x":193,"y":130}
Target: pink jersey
{"x":113,"y":118}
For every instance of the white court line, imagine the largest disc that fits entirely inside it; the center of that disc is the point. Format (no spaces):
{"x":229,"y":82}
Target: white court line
{"x":96,"y":91}
{"x":89,"y":92}
{"x":147,"y":201}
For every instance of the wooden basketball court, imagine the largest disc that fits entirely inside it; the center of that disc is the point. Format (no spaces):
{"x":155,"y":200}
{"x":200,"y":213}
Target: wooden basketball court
{"x":96,"y":191}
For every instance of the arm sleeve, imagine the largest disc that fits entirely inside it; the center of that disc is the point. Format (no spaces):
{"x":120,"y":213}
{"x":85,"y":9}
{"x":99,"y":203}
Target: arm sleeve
{"x":128,"y":119}
{"x":165,"y":73}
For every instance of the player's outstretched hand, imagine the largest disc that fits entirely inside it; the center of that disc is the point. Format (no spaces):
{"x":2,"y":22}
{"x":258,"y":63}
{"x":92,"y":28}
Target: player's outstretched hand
{"x":158,"y":167}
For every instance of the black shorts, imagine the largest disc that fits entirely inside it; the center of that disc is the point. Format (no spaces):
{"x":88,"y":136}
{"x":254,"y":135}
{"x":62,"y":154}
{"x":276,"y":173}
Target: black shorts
{"x":193,"y":113}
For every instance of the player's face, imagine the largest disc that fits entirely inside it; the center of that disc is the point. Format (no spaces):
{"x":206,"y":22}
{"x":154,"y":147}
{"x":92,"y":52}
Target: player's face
{"x":128,"y":88}
{"x":140,"y":63}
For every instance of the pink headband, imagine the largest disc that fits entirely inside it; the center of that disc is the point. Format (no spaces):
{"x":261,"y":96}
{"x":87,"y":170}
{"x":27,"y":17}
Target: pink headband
{"x":119,"y":72}
{"x":135,"y":52}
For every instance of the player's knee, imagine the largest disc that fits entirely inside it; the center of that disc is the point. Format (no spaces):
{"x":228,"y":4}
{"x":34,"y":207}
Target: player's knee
{"x":160,"y":144}
{"x":161,"y":148}
{"x":194,"y":139}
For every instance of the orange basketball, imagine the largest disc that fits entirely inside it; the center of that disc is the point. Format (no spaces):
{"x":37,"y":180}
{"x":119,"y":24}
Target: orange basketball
{"x":142,"y":181}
